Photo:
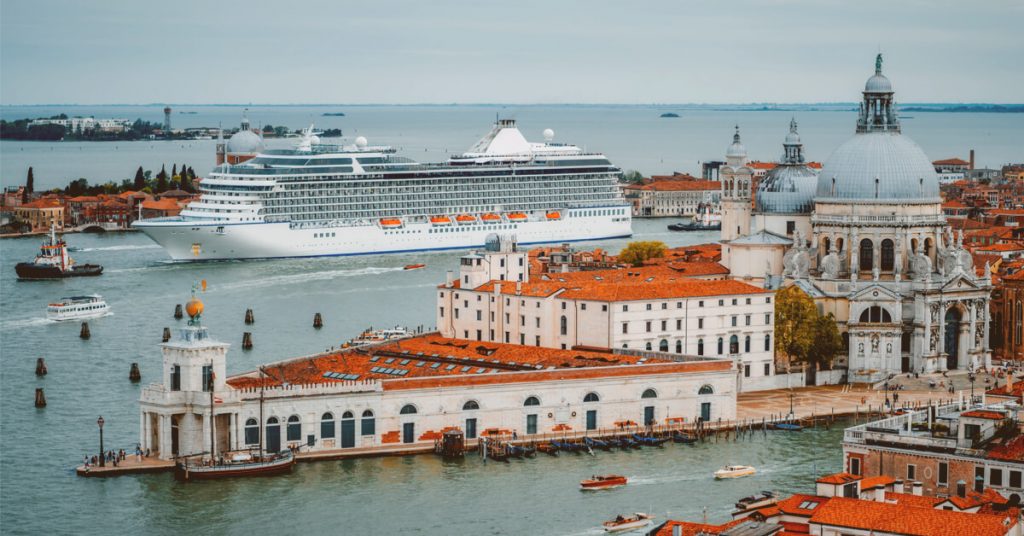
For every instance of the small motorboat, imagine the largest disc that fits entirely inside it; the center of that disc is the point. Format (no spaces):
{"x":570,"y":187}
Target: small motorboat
{"x":603,"y":482}
{"x":631,"y":522}
{"x":787,"y":426}
{"x":760,"y":500}
{"x":650,"y":441}
{"x":413,"y":266}
{"x":77,"y":308}
{"x":683,"y":438}
{"x":734,"y":471}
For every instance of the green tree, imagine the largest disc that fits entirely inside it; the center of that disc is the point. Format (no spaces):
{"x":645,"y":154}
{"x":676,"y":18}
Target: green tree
{"x":268,"y":129}
{"x":161,"y":180}
{"x":827,"y":343}
{"x":795,"y":319}
{"x":174,"y":169}
{"x":636,"y":253}
{"x":140,"y":179}
{"x":632,"y":176}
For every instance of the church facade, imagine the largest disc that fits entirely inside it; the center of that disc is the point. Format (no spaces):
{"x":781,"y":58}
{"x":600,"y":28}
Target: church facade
{"x":867,"y":239}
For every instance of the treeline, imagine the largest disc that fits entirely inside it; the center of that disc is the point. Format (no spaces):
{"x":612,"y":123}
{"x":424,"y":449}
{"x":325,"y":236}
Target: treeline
{"x":22,"y":129}
{"x":182,"y":178}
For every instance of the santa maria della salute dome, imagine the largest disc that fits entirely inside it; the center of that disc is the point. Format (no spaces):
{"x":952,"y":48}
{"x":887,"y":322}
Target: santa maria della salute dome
{"x":867,"y":240}
{"x":879,"y":164}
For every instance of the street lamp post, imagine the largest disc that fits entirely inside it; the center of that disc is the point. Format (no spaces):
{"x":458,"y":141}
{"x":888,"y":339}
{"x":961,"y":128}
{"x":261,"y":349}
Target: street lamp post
{"x":971,"y":378}
{"x":99,"y":422}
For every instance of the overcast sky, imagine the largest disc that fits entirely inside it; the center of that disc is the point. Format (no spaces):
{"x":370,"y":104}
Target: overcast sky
{"x":519,"y":51}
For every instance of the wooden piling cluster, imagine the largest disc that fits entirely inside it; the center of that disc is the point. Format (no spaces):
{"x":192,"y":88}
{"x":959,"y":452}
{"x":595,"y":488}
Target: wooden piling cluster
{"x":177,"y":312}
{"x":41,"y":367}
{"x":134,"y":374}
{"x":84,"y":333}
{"x":318,"y":321}
{"x":247,"y":341}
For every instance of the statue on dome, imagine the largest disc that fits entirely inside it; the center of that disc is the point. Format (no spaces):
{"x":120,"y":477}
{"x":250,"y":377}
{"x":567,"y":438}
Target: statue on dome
{"x":878,"y":63}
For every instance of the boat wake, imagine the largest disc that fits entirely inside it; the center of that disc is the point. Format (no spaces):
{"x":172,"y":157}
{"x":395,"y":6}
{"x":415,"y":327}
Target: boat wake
{"x":306,"y":277}
{"x":122,"y":248}
{"x":23,"y":323}
{"x":646,"y":480}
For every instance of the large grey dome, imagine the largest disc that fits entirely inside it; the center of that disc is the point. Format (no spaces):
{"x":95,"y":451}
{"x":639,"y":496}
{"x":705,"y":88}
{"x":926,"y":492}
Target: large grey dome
{"x":903,"y":172}
{"x":245,"y":142}
{"x":787,"y":189}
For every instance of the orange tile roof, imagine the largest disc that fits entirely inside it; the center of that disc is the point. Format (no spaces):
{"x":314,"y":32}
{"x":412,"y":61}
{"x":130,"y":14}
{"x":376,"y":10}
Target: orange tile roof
{"x":165,"y":203}
{"x":908,"y":520}
{"x":876,"y":482}
{"x":42,"y":203}
{"x":1012,"y":450}
{"x":954,"y":203}
{"x":792,"y":505}
{"x":984,"y":414}
{"x":461,"y":360}
{"x":628,"y":284}
{"x":676,"y":185}
{"x":695,"y":529}
{"x":1001,"y":247}
{"x":838,"y":478}
{"x":950,"y":162}
{"x":909,"y":499}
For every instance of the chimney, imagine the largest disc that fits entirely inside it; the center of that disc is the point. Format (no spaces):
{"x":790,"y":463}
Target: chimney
{"x":918,"y":488}
{"x":979,"y":483}
{"x":971,"y":164}
{"x":497,"y":289}
{"x":449,"y":278}
{"x":565,"y":268}
{"x":519,"y":287}
{"x":897,"y":486}
{"x":677,"y":530}
{"x":961,"y":489}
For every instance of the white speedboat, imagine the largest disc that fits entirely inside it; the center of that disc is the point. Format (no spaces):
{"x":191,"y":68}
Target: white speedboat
{"x":631,"y":522}
{"x":734,"y":471}
{"x":77,"y":308}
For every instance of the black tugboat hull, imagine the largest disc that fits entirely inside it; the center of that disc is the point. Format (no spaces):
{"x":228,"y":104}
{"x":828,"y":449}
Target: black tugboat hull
{"x":28,"y":270}
{"x":689,"y":227}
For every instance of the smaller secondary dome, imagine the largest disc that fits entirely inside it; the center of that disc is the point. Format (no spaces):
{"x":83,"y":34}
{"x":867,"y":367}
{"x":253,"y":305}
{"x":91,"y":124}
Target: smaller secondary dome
{"x":878,"y":83}
{"x":194,"y":307}
{"x":361,"y":142}
{"x":549,"y":134}
{"x":792,"y":138}
{"x":245,"y":141}
{"x":737,"y":149}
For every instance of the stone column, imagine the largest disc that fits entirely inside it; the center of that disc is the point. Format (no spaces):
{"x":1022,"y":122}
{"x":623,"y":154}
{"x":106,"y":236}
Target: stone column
{"x":165,"y":437}
{"x":940,"y":347}
{"x":965,"y":343}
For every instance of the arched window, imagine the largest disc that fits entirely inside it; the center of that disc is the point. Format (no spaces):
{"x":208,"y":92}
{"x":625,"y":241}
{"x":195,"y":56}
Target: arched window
{"x":408,"y":409}
{"x":888,"y":256}
{"x":532,"y":401}
{"x":721,"y":346}
{"x":663,"y":345}
{"x":746,"y":344}
{"x":706,"y":390}
{"x":368,"y":425}
{"x":867,"y":255}
{"x":648,"y":347}
{"x":591,"y":397}
{"x":649,"y":393}
{"x":875,"y":315}
{"x":734,"y":344}
{"x":767,"y":343}
{"x":679,"y":347}
{"x":327,"y":426}
{"x":564,"y":325}
{"x":294,"y":428}
{"x":700,"y":346}
{"x":928,"y":247}
{"x":252,"y":432}
{"x":347,"y":415}
{"x":828,"y":244}
{"x":840,"y":243}
{"x":471,"y":405}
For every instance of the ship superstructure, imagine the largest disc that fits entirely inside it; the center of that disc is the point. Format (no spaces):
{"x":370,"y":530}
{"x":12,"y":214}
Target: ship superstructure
{"x":320,"y":199}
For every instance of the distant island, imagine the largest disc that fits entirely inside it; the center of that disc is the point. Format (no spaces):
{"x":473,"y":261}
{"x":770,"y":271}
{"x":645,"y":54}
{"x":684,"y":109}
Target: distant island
{"x":333,"y":114}
{"x":188,"y":113}
{"x":974,"y":108}
{"x":669,"y":114}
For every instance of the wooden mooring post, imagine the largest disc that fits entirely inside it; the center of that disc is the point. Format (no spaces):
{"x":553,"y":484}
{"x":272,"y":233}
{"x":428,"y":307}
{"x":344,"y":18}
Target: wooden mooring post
{"x":167,"y":334}
{"x":84,"y":333}
{"x":247,"y":341}
{"x":177,"y":312}
{"x":134,"y":374}
{"x":40,"y":367}
{"x":249,"y":318}
{"x":318,"y":321}
{"x":40,"y":398}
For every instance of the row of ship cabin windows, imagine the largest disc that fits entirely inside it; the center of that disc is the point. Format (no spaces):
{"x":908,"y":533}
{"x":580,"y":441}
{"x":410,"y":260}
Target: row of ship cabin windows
{"x":473,"y":228}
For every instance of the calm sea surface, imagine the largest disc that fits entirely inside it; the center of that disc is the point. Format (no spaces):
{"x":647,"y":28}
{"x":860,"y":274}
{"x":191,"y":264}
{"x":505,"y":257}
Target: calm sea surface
{"x":39,"y":493}
{"x":634,"y":137}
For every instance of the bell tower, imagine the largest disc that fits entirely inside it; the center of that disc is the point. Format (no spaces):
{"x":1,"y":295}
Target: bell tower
{"x":736,"y":180}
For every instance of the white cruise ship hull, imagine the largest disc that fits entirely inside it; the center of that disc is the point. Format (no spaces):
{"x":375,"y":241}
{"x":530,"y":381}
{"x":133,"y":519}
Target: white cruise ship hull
{"x":206,"y":241}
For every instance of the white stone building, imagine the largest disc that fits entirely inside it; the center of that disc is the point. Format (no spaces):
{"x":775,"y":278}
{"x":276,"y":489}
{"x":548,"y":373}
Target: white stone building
{"x":400,"y":396}
{"x":654,"y":308}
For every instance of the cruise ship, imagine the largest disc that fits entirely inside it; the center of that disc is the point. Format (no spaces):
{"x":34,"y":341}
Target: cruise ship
{"x":318,"y":199}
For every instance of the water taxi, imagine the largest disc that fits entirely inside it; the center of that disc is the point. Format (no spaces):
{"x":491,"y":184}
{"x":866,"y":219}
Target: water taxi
{"x":734,"y":471}
{"x":77,"y":308}
{"x":603,"y":482}
{"x":631,"y":522}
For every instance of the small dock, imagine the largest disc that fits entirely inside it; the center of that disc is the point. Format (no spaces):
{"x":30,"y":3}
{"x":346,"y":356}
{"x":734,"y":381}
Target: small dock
{"x":130,"y":466}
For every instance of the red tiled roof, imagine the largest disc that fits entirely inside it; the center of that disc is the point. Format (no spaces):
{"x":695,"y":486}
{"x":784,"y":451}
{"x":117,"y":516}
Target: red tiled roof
{"x":165,"y":203}
{"x":42,"y":203}
{"x":950,"y":162}
{"x":909,"y":499}
{"x":907,"y":520}
{"x":694,"y":529}
{"x":838,"y":478}
{"x":984,"y":414}
{"x":675,"y":185}
{"x":622,"y":285}
{"x":792,"y":505}
{"x":1012,"y":450}
{"x":876,"y":482}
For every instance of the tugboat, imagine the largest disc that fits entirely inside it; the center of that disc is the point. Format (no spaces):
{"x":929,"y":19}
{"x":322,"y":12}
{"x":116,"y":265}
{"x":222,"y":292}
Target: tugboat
{"x":53,"y":262}
{"x":707,"y":219}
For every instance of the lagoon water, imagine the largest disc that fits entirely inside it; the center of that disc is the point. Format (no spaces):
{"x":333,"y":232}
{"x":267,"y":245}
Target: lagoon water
{"x":39,"y":493}
{"x":633,"y":137}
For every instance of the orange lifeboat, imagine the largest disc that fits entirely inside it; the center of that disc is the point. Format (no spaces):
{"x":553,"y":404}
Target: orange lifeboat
{"x":440,"y":220}
{"x":554,"y":215}
{"x":517,"y":216}
{"x":465,"y":219}
{"x":491,"y":218}
{"x":390,"y":223}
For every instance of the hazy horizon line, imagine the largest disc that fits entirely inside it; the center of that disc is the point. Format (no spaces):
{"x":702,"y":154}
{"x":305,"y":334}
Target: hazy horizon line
{"x":499,"y":104}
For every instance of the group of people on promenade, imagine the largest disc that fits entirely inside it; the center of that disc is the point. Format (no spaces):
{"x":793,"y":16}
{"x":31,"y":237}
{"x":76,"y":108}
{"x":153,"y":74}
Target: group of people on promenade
{"x":114,"y":458}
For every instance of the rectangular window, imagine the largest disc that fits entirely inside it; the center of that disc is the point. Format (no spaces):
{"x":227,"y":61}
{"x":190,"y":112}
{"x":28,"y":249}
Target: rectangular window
{"x":536,"y":340}
{"x":995,"y":477}
{"x":734,"y":301}
{"x":911,"y":471}
{"x":700,"y":303}
{"x":604,"y":308}
{"x":767,"y":369}
{"x":625,"y":327}
{"x":746,"y":371}
{"x":664,"y":325}
{"x":648,"y":307}
{"x":522,"y":339}
{"x":648,"y":326}
{"x":767,"y":319}
{"x":679,"y":324}
{"x":748,"y":320}
{"x":207,"y":378}
{"x":506,"y":337}
{"x":700,"y":323}
{"x":855,"y":466}
{"x":563,"y":305}
{"x":479,"y":335}
{"x":790,"y":227}
{"x":721,"y":303}
{"x":768,"y":299}
{"x":538,"y":321}
{"x":442,"y":312}
{"x":748,"y":301}
{"x":583,"y":307}
{"x":734,"y":321}
{"x":1015,"y":479}
{"x":664,"y":305}
{"x":456,"y":311}
{"x":943,"y":479}
{"x":176,"y":378}
{"x":479,"y":314}
{"x":625,"y":308}
{"x":531,"y":424}
{"x":522,"y":320}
